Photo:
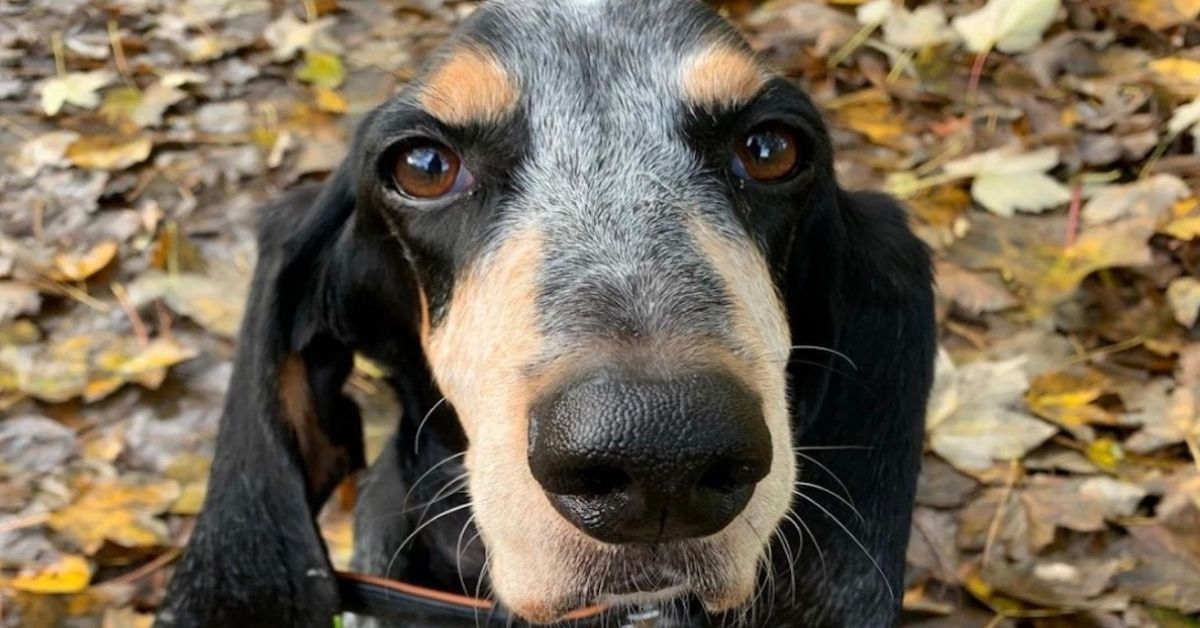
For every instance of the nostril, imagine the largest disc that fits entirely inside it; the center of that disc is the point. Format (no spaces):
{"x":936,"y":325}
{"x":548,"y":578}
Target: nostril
{"x":595,"y":481}
{"x":727,"y":476}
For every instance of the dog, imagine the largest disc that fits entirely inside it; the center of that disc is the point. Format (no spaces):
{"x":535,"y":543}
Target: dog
{"x":647,"y":350}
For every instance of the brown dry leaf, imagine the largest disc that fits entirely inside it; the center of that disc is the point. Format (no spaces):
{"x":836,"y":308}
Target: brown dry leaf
{"x":214,"y":300}
{"x":109,"y":152}
{"x":79,"y":267}
{"x":1066,"y":397}
{"x":1168,"y":573}
{"x":976,"y":292}
{"x":1029,"y":252}
{"x":123,"y":512}
{"x":1056,"y":582}
{"x":67,"y":574}
{"x":1030,"y":514}
{"x":1149,"y":198}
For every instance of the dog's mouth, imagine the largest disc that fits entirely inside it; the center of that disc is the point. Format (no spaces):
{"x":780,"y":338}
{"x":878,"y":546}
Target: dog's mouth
{"x":634,"y":576}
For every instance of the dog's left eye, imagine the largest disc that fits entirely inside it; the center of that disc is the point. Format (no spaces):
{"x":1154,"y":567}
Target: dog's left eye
{"x":767,"y":154}
{"x":426,"y":169}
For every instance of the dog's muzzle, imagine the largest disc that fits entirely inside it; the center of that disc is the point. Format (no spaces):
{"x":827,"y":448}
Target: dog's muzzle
{"x":630,"y":459}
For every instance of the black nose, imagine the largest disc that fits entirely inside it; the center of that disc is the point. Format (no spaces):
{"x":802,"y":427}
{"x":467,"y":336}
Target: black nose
{"x":635,"y":460}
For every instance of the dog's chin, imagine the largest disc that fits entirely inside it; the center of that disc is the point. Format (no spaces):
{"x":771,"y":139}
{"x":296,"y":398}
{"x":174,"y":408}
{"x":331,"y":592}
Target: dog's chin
{"x":646,"y":575}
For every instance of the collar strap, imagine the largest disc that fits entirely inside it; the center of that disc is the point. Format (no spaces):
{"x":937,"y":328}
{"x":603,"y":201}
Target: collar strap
{"x":382,"y":598}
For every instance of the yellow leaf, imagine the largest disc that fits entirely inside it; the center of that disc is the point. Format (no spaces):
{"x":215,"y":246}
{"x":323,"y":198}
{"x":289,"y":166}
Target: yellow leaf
{"x":1105,"y":453}
{"x":146,"y":366}
{"x":68,"y":574}
{"x":109,"y":152}
{"x":1066,"y":397}
{"x":120,"y":103}
{"x":1160,"y":14}
{"x":118,"y":512}
{"x":329,"y":100}
{"x":80,"y":267}
{"x":1179,"y":74}
{"x":321,"y":68}
{"x":870,"y":113}
{"x":1185,"y":228}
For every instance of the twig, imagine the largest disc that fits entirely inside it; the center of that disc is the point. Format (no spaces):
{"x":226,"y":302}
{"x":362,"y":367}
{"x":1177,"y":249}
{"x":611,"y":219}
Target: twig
{"x":60,"y":60}
{"x":114,"y":40}
{"x":1014,"y":471}
{"x":28,"y":521}
{"x":135,"y":319}
{"x":146,"y":569}
{"x":976,"y":75}
{"x":1073,"y":215}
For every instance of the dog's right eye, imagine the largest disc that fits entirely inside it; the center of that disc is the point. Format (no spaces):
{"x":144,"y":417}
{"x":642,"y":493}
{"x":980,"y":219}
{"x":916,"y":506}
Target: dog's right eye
{"x":425,"y":169}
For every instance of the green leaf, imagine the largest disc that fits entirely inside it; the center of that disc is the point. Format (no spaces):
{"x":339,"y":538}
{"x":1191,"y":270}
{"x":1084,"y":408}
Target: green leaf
{"x":322,"y":68}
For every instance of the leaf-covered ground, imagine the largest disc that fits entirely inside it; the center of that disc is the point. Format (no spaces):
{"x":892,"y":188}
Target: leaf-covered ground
{"x":1048,"y":152}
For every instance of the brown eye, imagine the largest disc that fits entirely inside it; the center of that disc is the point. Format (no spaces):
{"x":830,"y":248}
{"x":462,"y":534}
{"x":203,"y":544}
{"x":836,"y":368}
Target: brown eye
{"x":766,"y":154}
{"x":427,"y":169}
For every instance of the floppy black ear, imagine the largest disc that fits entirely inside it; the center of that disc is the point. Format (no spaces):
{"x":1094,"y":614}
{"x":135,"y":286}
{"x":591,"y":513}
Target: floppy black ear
{"x":860,"y":283}
{"x":287,"y":435}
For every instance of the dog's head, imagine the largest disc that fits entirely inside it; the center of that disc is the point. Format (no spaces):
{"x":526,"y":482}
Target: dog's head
{"x":598,"y":200}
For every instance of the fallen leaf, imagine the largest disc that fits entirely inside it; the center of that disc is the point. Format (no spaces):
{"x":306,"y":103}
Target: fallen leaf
{"x":1028,"y":252}
{"x":1007,"y":181}
{"x":123,"y":512}
{"x":17,"y":299}
{"x":34,"y":444}
{"x":1160,"y":14}
{"x":922,"y":27}
{"x":224,"y":118}
{"x":321,"y":68}
{"x":976,"y":292}
{"x":154,"y":102}
{"x":109,"y":152}
{"x":43,"y":151}
{"x":1178,"y":74}
{"x":214,"y":300}
{"x":76,"y":88}
{"x":1066,"y":397}
{"x":975,"y":415}
{"x":146,"y":366}
{"x":68,"y":574}
{"x":1186,"y":117}
{"x":1151,"y":197}
{"x":1006,"y":25}
{"x":329,"y":100}
{"x":287,"y":36}
{"x":1168,"y":573}
{"x":79,"y":267}
{"x":1030,"y":514}
{"x":1184,"y":296}
{"x":870,"y":112}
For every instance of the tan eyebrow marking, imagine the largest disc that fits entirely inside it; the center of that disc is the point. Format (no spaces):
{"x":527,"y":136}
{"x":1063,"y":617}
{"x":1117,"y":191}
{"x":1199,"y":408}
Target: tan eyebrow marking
{"x":470,"y":85}
{"x":721,"y":75}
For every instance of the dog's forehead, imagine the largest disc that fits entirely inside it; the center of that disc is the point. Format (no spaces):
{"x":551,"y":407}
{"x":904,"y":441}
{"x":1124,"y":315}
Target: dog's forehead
{"x":595,"y":67}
